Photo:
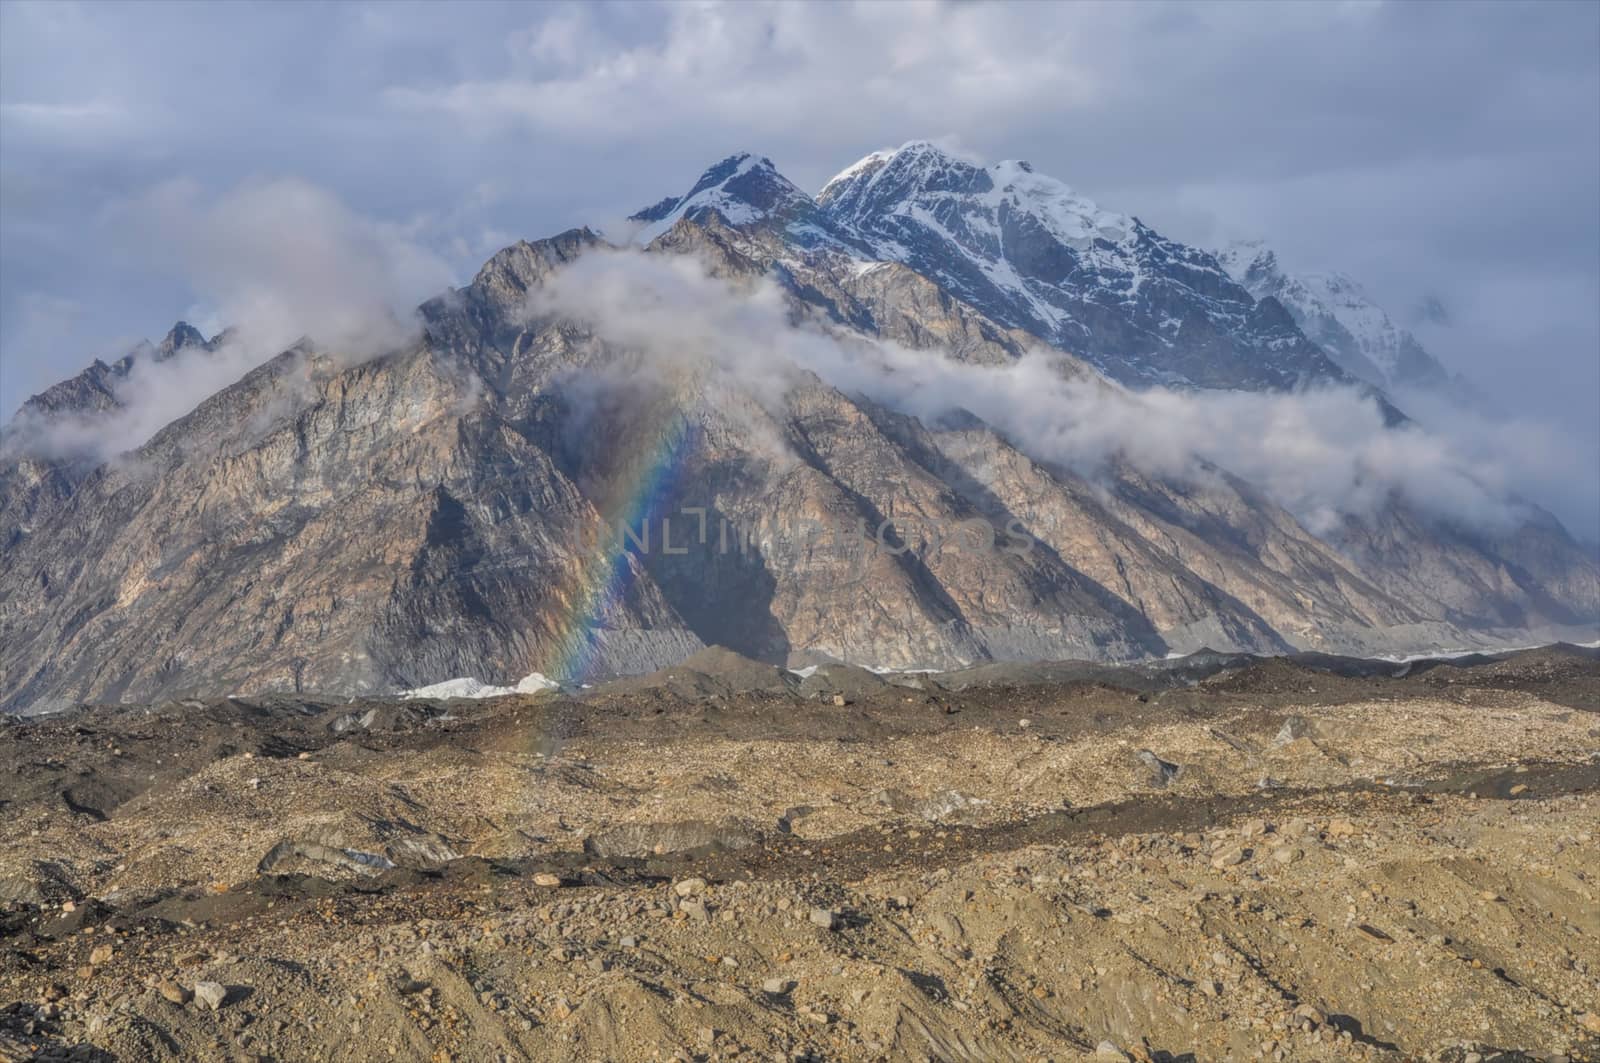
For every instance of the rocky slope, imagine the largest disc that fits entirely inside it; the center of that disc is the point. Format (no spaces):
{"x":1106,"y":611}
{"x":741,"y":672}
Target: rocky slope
{"x":449,"y":509}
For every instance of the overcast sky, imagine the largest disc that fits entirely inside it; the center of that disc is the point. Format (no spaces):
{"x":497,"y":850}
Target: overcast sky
{"x":152,"y":157}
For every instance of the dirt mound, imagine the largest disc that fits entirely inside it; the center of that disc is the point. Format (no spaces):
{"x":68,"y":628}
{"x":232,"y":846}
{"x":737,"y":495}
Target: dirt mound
{"x":841,"y":680}
{"x":712,"y":672}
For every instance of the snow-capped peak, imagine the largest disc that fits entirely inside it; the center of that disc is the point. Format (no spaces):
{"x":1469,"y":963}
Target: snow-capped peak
{"x":1336,"y":313}
{"x":742,"y":188}
{"x":867,"y":164}
{"x":921,"y":174}
{"x":1073,"y":219}
{"x":1025,"y":250}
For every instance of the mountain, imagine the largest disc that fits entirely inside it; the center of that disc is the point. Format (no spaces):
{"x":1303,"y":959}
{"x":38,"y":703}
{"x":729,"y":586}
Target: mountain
{"x":451,"y":507}
{"x":1337,"y":314}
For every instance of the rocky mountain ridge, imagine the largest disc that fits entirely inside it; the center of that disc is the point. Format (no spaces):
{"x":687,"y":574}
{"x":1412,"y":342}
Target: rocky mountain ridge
{"x":94,"y":389}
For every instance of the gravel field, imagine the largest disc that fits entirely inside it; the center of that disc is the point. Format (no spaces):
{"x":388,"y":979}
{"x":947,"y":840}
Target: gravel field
{"x":1215,"y":858}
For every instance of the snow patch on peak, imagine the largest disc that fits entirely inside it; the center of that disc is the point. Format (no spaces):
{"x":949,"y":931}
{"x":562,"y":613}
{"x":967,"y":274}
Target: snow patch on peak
{"x":867,"y":164}
{"x":1239,"y":255}
{"x":742,"y":188}
{"x":1337,"y":314}
{"x":1073,"y":219}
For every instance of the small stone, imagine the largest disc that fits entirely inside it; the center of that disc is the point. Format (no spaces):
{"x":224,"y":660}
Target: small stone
{"x":1253,"y":828}
{"x":1024,"y":723}
{"x":211,"y":994}
{"x":561,"y":1009}
{"x":628,"y":941}
{"x":1590,"y":1020}
{"x":690,"y":886}
{"x":547,"y":880}
{"x":1229,"y":857}
{"x":1108,"y":1052}
{"x":1520,"y":788}
{"x":1156,"y":772}
{"x":1286,"y":854}
{"x":1372,"y":933}
{"x":949,"y":926}
{"x":174,"y":992}
{"x":826,"y":918}
{"x":839,"y":701}
{"x":776,"y":986}
{"x":694,"y":908}
{"x":102,"y":954}
{"x":1294,"y":728}
{"x":1210,"y":987}
{"x":1310,"y":1013}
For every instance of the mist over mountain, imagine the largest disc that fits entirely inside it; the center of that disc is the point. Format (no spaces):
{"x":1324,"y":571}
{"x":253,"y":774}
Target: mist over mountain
{"x":940,"y":413}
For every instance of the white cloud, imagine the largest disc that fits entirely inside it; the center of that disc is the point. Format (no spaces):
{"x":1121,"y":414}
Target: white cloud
{"x":1319,"y":453}
{"x":283,"y":259}
{"x":274,"y":262}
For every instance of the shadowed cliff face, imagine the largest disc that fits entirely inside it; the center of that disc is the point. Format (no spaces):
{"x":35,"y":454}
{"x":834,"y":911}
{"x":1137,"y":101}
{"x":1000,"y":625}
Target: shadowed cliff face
{"x":452,"y":509}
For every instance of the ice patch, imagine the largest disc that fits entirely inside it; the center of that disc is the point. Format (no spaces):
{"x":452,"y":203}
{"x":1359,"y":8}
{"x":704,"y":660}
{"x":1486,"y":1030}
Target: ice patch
{"x":467,"y":687}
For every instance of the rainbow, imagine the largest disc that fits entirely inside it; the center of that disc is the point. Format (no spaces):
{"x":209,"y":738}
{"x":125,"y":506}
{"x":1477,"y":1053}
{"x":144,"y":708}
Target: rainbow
{"x":635,"y":499}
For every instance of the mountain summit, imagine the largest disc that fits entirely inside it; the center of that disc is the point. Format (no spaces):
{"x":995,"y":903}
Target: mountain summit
{"x":742,"y":189}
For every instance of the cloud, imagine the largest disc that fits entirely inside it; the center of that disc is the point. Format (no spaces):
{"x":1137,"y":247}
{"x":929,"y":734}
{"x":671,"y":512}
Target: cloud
{"x":1320,"y":453}
{"x":273,"y":262}
{"x":283,"y":259}
{"x":149,"y":397}
{"x":752,"y":66}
